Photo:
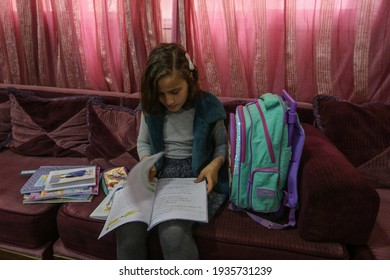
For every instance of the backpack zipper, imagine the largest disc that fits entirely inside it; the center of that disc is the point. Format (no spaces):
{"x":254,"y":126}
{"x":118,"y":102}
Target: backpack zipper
{"x":243,"y":133}
{"x":241,"y":126}
{"x":266,"y":133}
{"x":232,"y":136}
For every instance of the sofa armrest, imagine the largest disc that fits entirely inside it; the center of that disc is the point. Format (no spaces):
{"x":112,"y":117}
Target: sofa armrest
{"x":336,"y":203}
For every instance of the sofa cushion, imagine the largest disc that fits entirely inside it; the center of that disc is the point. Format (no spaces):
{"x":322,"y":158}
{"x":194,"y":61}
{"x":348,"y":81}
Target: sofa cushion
{"x":379,"y":242}
{"x":49,"y":126}
{"x":5,"y":118}
{"x":360,"y":132}
{"x":80,"y":233}
{"x":13,"y":252}
{"x":223,"y":235}
{"x":113,"y":135}
{"x":33,"y":225}
{"x":336,"y":201}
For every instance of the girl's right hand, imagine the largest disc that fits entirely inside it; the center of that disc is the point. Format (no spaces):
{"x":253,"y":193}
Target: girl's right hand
{"x":152,"y":173}
{"x":152,"y":170}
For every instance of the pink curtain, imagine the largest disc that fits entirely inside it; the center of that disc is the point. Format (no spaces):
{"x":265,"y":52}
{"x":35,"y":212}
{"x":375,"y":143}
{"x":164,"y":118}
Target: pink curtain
{"x":90,"y":44}
{"x":247,"y":48}
{"x":242,"y":48}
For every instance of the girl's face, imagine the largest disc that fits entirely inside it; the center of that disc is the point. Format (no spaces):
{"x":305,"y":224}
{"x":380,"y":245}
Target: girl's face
{"x":173,"y":92}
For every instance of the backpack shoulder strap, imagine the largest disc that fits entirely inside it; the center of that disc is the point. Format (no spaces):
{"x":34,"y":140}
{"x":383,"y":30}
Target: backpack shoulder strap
{"x":265,"y":222}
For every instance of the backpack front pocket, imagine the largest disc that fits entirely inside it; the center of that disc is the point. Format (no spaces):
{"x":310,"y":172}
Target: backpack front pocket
{"x":263,"y":189}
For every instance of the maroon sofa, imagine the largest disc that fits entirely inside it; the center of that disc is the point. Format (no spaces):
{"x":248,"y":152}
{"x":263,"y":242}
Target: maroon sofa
{"x":337,"y":217}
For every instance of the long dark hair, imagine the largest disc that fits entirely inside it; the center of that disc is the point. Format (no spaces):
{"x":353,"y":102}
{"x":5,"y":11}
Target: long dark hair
{"x":167,"y":59}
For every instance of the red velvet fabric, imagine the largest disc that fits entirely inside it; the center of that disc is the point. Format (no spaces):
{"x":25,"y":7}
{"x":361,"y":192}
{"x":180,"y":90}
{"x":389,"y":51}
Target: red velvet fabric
{"x":379,"y":242}
{"x":113,"y":132}
{"x":80,"y":233}
{"x":336,"y":202}
{"x":230,"y":235}
{"x":360,"y":132}
{"x":48,"y":126}
{"x":33,"y":225}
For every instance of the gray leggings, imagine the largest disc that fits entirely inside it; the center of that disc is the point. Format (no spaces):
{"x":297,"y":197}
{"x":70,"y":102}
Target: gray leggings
{"x":176,"y":238}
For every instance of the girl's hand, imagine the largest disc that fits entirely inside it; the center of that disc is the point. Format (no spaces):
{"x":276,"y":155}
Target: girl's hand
{"x":152,"y":170}
{"x":152,"y":173}
{"x":210,"y":173}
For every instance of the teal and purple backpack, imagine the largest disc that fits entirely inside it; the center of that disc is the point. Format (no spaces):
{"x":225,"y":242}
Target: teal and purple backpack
{"x":266,"y":141}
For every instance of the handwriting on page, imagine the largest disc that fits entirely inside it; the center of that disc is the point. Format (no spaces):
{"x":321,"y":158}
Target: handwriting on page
{"x":177,"y":197}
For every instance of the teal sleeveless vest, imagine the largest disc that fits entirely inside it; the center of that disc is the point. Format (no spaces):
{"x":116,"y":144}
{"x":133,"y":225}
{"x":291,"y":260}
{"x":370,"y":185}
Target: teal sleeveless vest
{"x":208,"y":110}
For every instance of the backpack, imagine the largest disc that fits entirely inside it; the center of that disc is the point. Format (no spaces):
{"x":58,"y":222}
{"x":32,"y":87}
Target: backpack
{"x":266,"y":141}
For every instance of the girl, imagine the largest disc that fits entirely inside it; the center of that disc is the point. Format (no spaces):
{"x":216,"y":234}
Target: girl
{"x":188,"y":125}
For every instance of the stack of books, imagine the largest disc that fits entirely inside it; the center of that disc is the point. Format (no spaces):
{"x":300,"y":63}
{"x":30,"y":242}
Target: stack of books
{"x":59,"y":184}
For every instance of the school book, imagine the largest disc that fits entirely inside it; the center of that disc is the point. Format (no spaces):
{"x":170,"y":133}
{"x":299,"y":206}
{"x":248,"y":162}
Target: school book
{"x":71,"y":178}
{"x":33,"y":190}
{"x":112,"y":177}
{"x":74,"y":198}
{"x":103,"y":209}
{"x":157,"y":201}
{"x":31,"y":184}
{"x":80,"y":194}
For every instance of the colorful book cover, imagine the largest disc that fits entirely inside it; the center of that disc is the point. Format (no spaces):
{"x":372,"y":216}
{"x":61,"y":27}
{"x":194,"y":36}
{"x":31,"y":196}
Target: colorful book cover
{"x":71,"y":178}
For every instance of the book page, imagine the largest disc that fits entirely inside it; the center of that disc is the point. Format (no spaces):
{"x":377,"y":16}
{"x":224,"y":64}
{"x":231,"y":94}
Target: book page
{"x":135,"y":201}
{"x":180,"y":198}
